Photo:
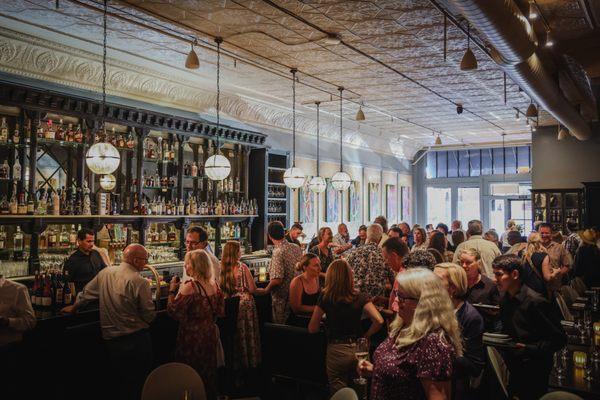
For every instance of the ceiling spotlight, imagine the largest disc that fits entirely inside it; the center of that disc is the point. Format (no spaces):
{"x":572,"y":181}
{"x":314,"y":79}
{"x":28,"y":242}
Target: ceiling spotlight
{"x":563,"y":133}
{"x":459,"y":108}
{"x":360,"y":115}
{"x":549,"y":39}
{"x":332,"y":39}
{"x":438,"y":140}
{"x":533,"y":10}
{"x":192,"y":61}
{"x":532,"y":111}
{"x":468,"y":62}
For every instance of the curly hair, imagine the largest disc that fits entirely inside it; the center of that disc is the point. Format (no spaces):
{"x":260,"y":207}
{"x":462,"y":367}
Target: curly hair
{"x":419,"y":258}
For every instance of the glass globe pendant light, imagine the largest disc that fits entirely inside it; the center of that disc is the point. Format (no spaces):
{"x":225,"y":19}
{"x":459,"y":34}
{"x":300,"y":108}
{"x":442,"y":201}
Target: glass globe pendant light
{"x":108,"y":182}
{"x":103,"y":158}
{"x":294,"y":177}
{"x":217,"y":166}
{"x":341,"y":180}
{"x":317,"y":183}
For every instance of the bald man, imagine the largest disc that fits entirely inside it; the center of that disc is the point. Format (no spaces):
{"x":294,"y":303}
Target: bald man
{"x":126,"y":310}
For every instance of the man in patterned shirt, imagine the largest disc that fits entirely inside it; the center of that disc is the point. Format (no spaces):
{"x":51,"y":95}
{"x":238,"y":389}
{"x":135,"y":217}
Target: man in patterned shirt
{"x":370,"y":272}
{"x":282,"y":270}
{"x":573,"y":241}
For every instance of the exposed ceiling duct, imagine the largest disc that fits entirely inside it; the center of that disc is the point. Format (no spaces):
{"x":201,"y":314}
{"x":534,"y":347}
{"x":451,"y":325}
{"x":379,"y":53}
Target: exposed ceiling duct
{"x":514,"y":49}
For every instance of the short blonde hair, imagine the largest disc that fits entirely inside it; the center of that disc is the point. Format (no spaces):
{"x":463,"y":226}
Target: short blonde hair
{"x":457,"y":276}
{"x":200,"y":264}
{"x":470,"y":252}
{"x":434,"y":310}
{"x":374,"y":233}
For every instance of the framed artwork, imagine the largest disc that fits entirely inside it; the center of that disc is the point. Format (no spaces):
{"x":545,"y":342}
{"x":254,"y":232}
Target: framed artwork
{"x":391,"y":203}
{"x":332,"y":203}
{"x":306,"y":204}
{"x":354,"y":202}
{"x":406,"y":203}
{"x":374,"y":195}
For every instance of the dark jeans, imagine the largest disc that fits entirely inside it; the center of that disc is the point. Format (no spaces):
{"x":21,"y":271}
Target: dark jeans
{"x":131,"y":359}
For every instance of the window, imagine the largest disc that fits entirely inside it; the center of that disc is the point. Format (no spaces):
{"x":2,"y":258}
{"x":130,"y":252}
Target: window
{"x":520,"y":212}
{"x":510,"y":160}
{"x":497,"y":220}
{"x":475,"y":157}
{"x":431,"y":165}
{"x":439,"y":205}
{"x":498,"y":161}
{"x":486,"y":162}
{"x":452,"y":164}
{"x":523,"y":157}
{"x":463,"y":163}
{"x":468,"y":204}
{"x":442,"y":164}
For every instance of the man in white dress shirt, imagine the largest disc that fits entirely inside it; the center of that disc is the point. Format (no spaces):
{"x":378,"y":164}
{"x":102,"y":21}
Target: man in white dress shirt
{"x":126,"y":311}
{"x":196,"y":238}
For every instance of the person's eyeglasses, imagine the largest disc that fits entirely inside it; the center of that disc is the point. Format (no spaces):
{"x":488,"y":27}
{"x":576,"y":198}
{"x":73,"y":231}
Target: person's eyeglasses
{"x":192,"y":243}
{"x":403,"y":299}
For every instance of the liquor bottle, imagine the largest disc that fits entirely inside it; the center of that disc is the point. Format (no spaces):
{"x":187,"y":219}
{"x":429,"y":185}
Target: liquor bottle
{"x":22,"y":206}
{"x":194,"y":169}
{"x":4,"y":207}
{"x":136,"y":205}
{"x":60,"y":133}
{"x":47,"y":293}
{"x":49,"y":131}
{"x":163,"y":235}
{"x":30,"y":204}
{"x":42,"y":205}
{"x":4,"y":170}
{"x":58,"y":290}
{"x":3,"y":131}
{"x":165,"y":150}
{"x":35,"y":288}
{"x":237,"y":187}
{"x":130,"y":139}
{"x":16,"y":169}
{"x":52,"y":238}
{"x":121,"y":141}
{"x":18,"y":245}
{"x":27,"y":133}
{"x":78,"y":135}
{"x":16,"y":135}
{"x":67,"y":294}
{"x":55,"y":203}
{"x":181,"y":208}
{"x":193,"y":206}
{"x":2,"y":237}
{"x":40,"y":130}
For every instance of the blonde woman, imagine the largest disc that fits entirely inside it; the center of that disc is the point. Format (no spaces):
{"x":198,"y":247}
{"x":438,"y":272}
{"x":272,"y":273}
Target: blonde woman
{"x":237,"y":281}
{"x":481,"y":289}
{"x":542,"y":278}
{"x":196,"y":307}
{"x":471,"y":324}
{"x":304,"y":290}
{"x":344,"y":307}
{"x":415,"y":361}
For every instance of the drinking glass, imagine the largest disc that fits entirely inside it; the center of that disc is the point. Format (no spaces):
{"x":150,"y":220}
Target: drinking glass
{"x":361,"y":352}
{"x":559,"y":366}
{"x":587,"y":319}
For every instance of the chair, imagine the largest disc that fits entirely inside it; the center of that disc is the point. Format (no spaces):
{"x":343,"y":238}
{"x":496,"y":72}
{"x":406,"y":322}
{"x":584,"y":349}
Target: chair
{"x":500,"y":369}
{"x":170,"y":381}
{"x":228,"y":328}
{"x":345,"y":394}
{"x":569,"y":294}
{"x":560,"y":395}
{"x":564,"y":310}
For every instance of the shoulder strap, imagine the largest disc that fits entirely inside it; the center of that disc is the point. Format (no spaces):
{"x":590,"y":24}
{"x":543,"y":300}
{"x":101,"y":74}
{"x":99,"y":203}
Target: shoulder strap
{"x":198,"y":285}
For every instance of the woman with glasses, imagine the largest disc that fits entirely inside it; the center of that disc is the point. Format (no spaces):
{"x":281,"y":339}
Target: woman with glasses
{"x":415,"y":361}
{"x":344,"y":307}
{"x":196,"y":306}
{"x":237,"y":281}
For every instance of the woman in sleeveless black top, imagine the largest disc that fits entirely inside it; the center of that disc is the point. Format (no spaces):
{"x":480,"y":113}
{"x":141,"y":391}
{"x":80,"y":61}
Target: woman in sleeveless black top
{"x":305,"y":290}
{"x":540,"y":277}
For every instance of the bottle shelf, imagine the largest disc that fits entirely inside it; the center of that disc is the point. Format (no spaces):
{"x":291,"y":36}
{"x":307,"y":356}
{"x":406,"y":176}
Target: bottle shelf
{"x":276,"y":184}
{"x":61,"y":143}
{"x":73,"y":219}
{"x":277,"y":169}
{"x":14,"y":145}
{"x":276,"y":199}
{"x":277,"y":214}
{"x":164,"y":189}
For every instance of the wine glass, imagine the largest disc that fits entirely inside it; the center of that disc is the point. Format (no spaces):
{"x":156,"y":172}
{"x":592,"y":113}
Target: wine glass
{"x":559,"y":366}
{"x":361,"y":351}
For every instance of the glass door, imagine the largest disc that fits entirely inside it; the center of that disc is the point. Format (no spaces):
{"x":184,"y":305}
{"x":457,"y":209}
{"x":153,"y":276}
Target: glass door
{"x":521,"y":212}
{"x":497,"y":215}
{"x":439,"y":205}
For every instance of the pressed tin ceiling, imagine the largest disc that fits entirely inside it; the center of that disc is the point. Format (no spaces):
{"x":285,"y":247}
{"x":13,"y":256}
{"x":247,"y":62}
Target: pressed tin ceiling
{"x":265,"y":39}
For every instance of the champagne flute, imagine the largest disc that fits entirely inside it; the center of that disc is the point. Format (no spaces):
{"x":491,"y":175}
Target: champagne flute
{"x":361,"y":352}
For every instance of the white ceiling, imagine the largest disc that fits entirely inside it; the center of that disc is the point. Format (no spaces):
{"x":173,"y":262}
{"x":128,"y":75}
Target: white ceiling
{"x":262,"y":42}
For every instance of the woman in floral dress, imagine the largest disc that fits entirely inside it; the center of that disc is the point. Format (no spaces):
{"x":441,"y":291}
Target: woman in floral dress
{"x":196,"y":307}
{"x":237,"y":280}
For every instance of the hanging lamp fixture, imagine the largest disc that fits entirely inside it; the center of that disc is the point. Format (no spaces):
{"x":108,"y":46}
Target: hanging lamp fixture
{"x":533,"y":11}
{"x":317,"y":183}
{"x":468,"y":62}
{"x":438,"y":140}
{"x":360,"y":115}
{"x":294,"y":177}
{"x":532,"y":111}
{"x":549,"y":40}
{"x":102,"y":157}
{"x":341,"y":180}
{"x":217,"y":166}
{"x":563,"y":133}
{"x":192,"y":61}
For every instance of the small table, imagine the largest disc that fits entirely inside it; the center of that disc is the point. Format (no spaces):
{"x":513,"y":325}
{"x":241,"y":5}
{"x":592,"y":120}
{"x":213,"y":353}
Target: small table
{"x":574,"y":378}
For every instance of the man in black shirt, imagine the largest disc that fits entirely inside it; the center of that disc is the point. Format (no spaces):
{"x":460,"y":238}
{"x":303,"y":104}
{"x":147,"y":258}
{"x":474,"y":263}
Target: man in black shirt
{"x":534,"y":324}
{"x":293,"y":233}
{"x":85,"y":263}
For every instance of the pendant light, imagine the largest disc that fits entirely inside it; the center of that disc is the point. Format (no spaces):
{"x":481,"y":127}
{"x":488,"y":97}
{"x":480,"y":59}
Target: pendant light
{"x":438,"y":140}
{"x":294,"y":177}
{"x":468,"y":62}
{"x":108,"y":182}
{"x":562,"y":133}
{"x":341,"y":180}
{"x":103,"y":158}
{"x":317,"y":184}
{"x":532,"y":111}
{"x":360,"y":115}
{"x":217,"y":166}
{"x":192,"y":61}
{"x":533,"y":11}
{"x":549,"y":40}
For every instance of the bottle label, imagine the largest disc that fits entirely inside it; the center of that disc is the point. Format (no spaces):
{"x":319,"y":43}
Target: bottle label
{"x":67,"y":298}
{"x":59,"y":296}
{"x":46,"y":301}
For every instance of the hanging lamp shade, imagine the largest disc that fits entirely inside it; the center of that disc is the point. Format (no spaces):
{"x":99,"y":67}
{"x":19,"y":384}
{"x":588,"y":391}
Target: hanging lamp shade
{"x":341,"y":181}
{"x":294,"y":177}
{"x":468,"y":62}
{"x":360,"y":115}
{"x":438,"y":140}
{"x":103,"y":158}
{"x":532,"y":111}
{"x":217,"y":167}
{"x":108,"y":182}
{"x":562,"y":134}
{"x":192,"y":61}
{"x":317,"y":184}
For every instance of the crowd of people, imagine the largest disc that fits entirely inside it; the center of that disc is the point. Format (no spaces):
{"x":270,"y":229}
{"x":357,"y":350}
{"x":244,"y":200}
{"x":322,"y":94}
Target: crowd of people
{"x":423,"y":297}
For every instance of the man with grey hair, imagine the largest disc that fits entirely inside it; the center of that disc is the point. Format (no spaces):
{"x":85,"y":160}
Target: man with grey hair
{"x":488,"y":250}
{"x":370,"y":272}
{"x":126,"y":310}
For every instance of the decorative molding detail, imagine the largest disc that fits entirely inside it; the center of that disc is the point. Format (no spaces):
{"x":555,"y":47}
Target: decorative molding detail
{"x":33,"y":57}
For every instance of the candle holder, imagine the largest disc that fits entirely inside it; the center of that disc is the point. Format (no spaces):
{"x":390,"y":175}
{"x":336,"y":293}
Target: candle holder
{"x":579,"y":359}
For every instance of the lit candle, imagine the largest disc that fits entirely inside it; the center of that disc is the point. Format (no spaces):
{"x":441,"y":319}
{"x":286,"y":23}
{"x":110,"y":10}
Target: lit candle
{"x":579,"y":359}
{"x":597,"y":328}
